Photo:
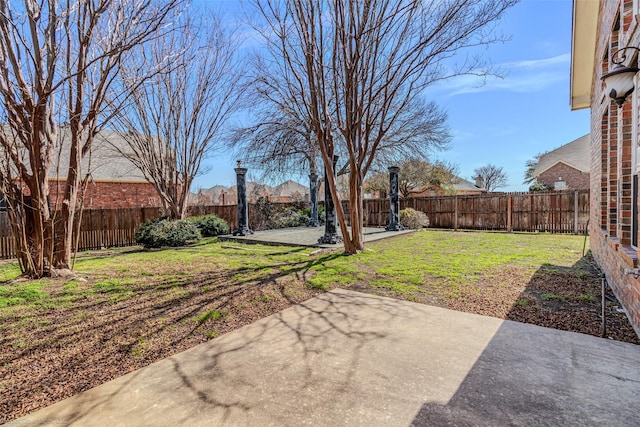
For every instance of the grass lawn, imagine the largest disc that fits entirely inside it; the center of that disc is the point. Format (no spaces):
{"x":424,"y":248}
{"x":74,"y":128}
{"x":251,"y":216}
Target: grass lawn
{"x":127,"y":308}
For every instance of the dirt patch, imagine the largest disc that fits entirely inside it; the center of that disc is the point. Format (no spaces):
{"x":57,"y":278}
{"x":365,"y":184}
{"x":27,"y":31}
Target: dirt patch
{"x":560,"y":298}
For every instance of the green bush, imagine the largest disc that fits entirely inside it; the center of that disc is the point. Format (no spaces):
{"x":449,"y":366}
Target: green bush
{"x":306,"y":212}
{"x":413,"y":219}
{"x":290,"y":217}
{"x":210,"y":225}
{"x":539,"y":186}
{"x":162,"y":232}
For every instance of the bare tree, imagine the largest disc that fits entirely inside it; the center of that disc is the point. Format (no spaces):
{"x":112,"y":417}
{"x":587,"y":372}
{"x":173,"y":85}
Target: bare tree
{"x":175,"y":119}
{"x":58,"y":62}
{"x":416,"y":174}
{"x":358,"y":64}
{"x":282,"y":142}
{"x":490,"y":177}
{"x":278,"y":144}
{"x":419,"y":130}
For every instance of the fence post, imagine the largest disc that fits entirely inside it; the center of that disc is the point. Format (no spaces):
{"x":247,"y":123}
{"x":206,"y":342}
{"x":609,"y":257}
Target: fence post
{"x":509,"y":213}
{"x":575,"y":212}
{"x":455,"y":212}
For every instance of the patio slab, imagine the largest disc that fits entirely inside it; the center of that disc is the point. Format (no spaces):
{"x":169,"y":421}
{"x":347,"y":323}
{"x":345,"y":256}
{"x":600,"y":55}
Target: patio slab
{"x":350,"y":359}
{"x":306,"y":236}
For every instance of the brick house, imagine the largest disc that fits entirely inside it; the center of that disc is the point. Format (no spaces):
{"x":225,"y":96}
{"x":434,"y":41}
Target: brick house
{"x":113,"y":181}
{"x":600,"y":29}
{"x":567,"y":167}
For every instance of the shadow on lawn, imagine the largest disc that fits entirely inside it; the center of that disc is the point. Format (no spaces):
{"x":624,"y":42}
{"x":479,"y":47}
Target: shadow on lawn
{"x":559,"y":297}
{"x":570,"y":299}
{"x":96,"y":337}
{"x":318,"y":354}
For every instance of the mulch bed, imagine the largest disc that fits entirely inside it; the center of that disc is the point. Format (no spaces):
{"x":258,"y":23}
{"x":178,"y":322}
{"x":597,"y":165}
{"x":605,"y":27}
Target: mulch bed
{"x":58,"y":352}
{"x":554,"y":298}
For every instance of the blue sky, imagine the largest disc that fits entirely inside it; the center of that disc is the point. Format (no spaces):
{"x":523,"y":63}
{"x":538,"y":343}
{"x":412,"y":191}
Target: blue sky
{"x":504,"y":121}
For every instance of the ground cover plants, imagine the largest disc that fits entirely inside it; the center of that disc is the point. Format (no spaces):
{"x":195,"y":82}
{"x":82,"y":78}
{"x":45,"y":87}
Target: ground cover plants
{"x":127,"y":308}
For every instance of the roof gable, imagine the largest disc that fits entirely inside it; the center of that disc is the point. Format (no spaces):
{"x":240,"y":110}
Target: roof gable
{"x":574,"y":154}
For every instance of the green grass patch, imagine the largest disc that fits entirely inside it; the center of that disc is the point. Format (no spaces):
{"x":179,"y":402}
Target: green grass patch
{"x":446,"y":261}
{"x":113,"y":286}
{"x":430,"y":263}
{"x":213,"y":314}
{"x":9,"y":271}
{"x":141,"y":345}
{"x":553,"y":297}
{"x":586,"y":298}
{"x":11,"y":294}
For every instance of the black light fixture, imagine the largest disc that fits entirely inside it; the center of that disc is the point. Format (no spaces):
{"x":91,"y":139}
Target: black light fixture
{"x":619,"y":80}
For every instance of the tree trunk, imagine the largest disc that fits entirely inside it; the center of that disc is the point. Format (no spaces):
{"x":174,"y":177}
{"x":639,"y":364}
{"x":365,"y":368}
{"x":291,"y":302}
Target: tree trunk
{"x":32,"y":225}
{"x":353,"y":242}
{"x":68,"y":207}
{"x":355,"y":211}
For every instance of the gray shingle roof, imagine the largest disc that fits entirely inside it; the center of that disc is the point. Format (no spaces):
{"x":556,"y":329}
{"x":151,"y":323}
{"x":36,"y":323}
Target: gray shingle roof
{"x":106,"y":163}
{"x":464,"y":185}
{"x":575,"y":154}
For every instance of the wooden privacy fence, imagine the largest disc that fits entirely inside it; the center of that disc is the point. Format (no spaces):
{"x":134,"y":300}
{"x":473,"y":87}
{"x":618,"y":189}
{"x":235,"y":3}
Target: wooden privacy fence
{"x":554,"y":212}
{"x":105,"y":228}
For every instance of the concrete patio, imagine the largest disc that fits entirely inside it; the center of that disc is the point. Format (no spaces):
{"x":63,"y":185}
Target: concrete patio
{"x":346,"y":358}
{"x":306,"y":236}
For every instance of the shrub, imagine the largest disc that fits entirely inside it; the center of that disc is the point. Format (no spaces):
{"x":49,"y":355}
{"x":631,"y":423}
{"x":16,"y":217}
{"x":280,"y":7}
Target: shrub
{"x":413,"y":219}
{"x":210,"y":225}
{"x":162,"y":232}
{"x":290,"y":217}
{"x":306,"y":212}
{"x":539,"y":186}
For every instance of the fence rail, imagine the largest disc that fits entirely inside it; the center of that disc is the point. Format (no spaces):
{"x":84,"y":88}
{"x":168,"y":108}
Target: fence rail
{"x":554,"y":212}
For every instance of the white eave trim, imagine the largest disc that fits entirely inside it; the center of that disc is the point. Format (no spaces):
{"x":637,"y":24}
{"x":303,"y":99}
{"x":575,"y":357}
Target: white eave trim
{"x":583,"y":50}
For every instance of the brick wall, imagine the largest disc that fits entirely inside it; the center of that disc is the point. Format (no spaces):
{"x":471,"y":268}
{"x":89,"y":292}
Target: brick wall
{"x":614,"y":258}
{"x":612,"y":164}
{"x":575,"y":179}
{"x":113,"y":194}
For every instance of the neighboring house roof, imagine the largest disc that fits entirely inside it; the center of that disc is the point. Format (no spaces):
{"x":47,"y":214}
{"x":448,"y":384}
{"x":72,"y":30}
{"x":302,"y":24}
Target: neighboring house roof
{"x":289,"y":189}
{"x":461,"y":186}
{"x":286,"y":189}
{"x":464,"y":185}
{"x":106,"y":163}
{"x":574,"y":154}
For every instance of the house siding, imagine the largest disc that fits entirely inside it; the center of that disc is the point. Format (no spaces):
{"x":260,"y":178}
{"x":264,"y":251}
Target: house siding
{"x":575,"y":179}
{"x":612,"y":163}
